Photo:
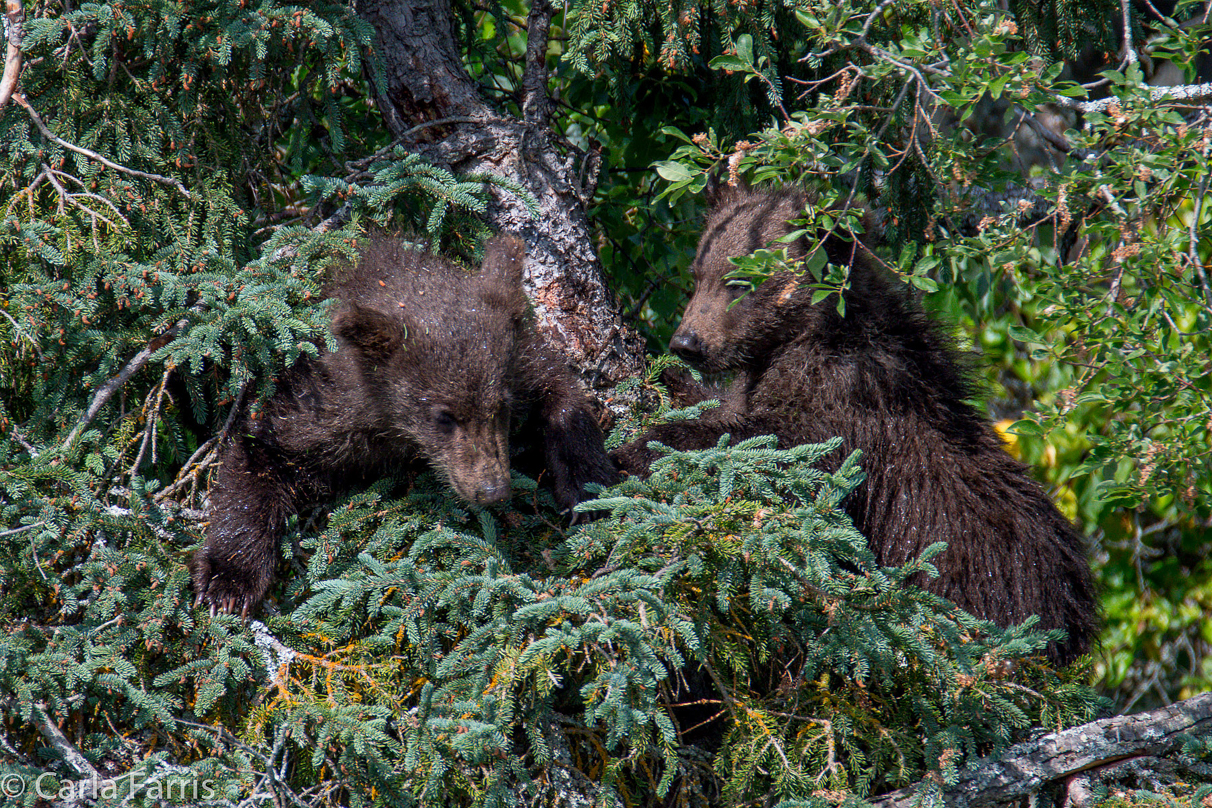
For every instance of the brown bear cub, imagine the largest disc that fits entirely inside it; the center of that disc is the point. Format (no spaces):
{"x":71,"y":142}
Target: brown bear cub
{"x":886,"y":379}
{"x":434,"y":363}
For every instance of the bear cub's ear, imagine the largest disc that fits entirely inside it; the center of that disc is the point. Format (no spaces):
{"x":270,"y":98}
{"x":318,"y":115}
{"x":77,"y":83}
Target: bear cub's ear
{"x":372,"y":332}
{"x":501,"y":273}
{"x":717,"y":191}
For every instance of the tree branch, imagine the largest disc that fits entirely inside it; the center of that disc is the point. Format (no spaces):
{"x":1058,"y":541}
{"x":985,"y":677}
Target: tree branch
{"x":879,"y":10}
{"x":1053,"y":139}
{"x":1025,"y":768}
{"x":1181,"y":92}
{"x":113,"y":385}
{"x":92,"y":155}
{"x":1130,"y":56}
{"x":71,"y":755}
{"x":14,"y":32}
{"x":425,"y":80}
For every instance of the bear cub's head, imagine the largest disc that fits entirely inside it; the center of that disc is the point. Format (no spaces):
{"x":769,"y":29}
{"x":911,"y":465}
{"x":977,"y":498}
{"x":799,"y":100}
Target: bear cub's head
{"x":437,"y":347}
{"x":730,"y":327}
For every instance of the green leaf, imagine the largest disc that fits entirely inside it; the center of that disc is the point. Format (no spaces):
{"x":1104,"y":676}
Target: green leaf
{"x":1024,"y":334}
{"x":816,"y":260}
{"x":995,"y":87}
{"x":1027,"y":428}
{"x":728,"y":63}
{"x":673,"y":172}
{"x":744,"y":49}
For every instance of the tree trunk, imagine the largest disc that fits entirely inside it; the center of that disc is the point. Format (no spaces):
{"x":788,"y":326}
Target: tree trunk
{"x":434,"y":108}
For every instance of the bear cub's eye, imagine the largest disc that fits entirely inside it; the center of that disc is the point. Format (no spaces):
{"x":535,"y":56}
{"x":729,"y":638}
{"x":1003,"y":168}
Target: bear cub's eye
{"x":738,"y":288}
{"x":445,"y":422}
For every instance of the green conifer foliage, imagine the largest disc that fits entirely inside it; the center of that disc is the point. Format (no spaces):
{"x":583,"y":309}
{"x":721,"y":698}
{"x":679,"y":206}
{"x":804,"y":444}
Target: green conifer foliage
{"x":440,"y":656}
{"x":450,"y":657}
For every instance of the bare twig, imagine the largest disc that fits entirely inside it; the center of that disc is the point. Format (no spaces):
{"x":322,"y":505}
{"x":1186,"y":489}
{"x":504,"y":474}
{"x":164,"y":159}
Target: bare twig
{"x":153,"y":417}
{"x":206,"y":455}
{"x":1129,"y":51}
{"x":14,"y":32}
{"x":189,"y":471}
{"x":1193,"y":242}
{"x":92,"y":155}
{"x":18,"y":332}
{"x":1187,"y":92}
{"x":15,"y":530}
{"x":1163,"y":18}
{"x":52,"y":175}
{"x":363,"y":162}
{"x":916,"y":70}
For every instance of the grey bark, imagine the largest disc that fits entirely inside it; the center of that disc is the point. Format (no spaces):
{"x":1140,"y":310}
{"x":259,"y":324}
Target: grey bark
{"x":1070,"y":755}
{"x":426,"y":82}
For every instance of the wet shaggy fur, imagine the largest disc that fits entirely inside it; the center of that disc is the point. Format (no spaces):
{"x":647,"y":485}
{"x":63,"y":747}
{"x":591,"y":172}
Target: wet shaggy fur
{"x":886,"y":379}
{"x":435,"y":364}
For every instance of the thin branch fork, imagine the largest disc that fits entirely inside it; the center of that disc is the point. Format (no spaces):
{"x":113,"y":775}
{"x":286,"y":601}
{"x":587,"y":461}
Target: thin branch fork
{"x":1025,"y":768}
{"x":879,"y":12}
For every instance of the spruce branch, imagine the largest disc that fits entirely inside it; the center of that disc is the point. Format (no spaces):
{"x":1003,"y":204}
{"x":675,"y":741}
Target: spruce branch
{"x":52,"y":176}
{"x":20,"y":333}
{"x":92,"y":155}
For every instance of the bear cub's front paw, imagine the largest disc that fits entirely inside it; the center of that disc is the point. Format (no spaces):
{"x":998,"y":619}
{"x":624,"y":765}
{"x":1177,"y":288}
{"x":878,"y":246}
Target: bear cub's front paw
{"x":226,"y":584}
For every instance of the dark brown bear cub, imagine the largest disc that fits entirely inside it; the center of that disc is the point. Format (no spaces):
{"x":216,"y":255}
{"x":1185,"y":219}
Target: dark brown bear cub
{"x":434,"y":363}
{"x":885,"y":378}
